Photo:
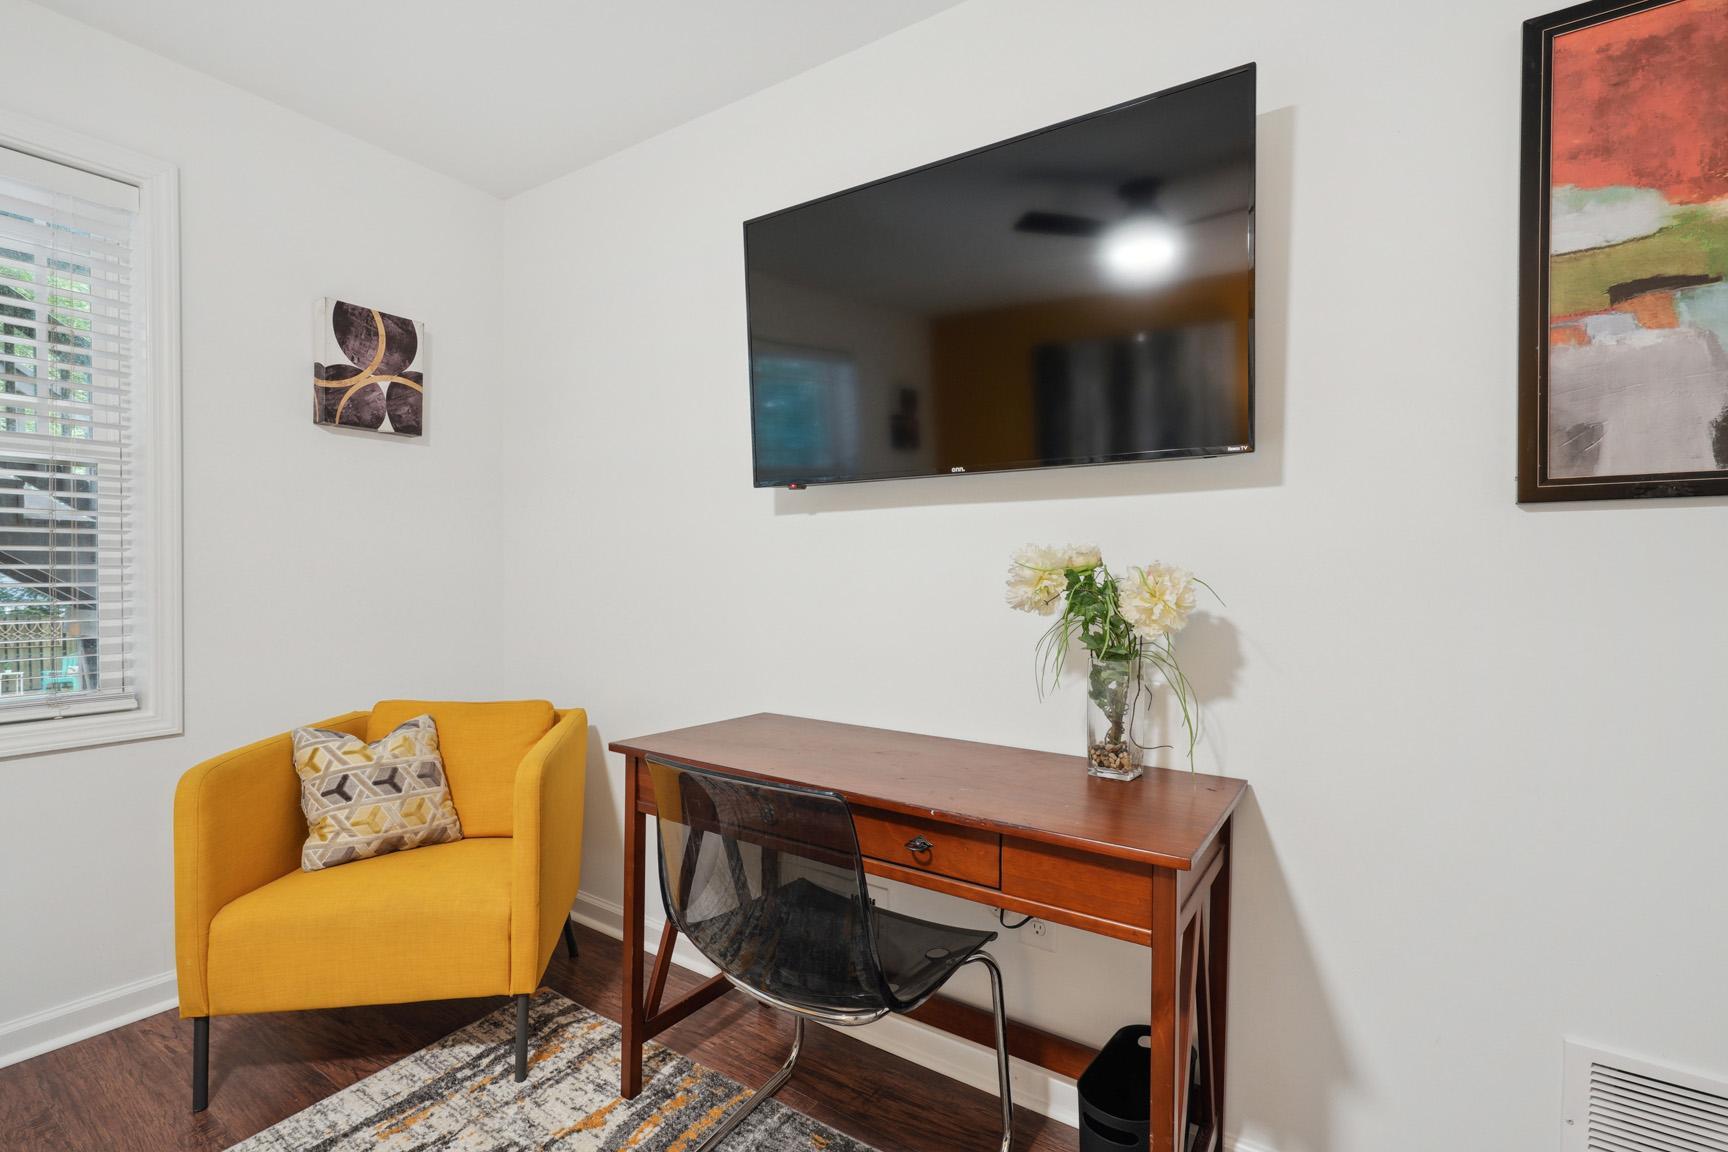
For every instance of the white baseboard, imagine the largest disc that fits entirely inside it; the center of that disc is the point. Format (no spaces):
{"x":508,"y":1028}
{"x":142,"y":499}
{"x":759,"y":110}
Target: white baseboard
{"x":1037,"y":1088}
{"x":83,"y":1018}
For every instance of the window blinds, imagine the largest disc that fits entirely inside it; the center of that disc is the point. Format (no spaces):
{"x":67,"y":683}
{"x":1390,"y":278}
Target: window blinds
{"x":68,"y":455}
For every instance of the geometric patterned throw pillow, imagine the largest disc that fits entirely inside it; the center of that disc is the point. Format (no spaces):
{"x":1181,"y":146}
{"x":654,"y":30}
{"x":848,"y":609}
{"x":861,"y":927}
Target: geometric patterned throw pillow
{"x":364,"y":800}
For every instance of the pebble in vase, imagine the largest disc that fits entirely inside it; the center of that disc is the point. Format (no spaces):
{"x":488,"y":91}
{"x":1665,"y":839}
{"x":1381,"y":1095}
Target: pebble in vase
{"x":1118,"y":717}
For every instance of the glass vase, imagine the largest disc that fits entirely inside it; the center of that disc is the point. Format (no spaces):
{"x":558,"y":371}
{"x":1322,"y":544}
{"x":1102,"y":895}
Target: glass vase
{"x":1118,"y":718}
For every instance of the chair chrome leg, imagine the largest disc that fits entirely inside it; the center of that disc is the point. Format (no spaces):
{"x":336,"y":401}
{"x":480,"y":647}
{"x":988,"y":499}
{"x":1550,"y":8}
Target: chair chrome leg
{"x":521,"y":1038}
{"x":1004,"y":1086}
{"x":200,"y":1063}
{"x":762,"y":1094}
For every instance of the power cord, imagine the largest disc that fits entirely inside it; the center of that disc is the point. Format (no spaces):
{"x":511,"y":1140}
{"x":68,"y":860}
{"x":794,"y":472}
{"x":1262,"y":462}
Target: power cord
{"x":1002,"y":919}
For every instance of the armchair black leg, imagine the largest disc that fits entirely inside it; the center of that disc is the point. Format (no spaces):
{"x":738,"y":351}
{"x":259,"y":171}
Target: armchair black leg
{"x":570,"y":938}
{"x":200,"y":1063}
{"x":521,"y":1038}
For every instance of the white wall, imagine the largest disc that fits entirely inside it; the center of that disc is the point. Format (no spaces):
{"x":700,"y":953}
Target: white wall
{"x":1486,"y":742}
{"x":323,"y":569}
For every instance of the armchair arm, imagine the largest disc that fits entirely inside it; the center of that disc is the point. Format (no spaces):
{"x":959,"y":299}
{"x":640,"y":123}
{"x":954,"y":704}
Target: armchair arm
{"x":237,"y":826}
{"x":546,"y":852}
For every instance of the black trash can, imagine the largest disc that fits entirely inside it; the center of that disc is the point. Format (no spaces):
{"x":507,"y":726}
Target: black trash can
{"x":1116,"y":1094}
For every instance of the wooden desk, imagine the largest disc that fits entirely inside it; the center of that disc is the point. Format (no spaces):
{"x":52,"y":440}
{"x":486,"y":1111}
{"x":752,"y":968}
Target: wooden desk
{"x":1031,"y":832}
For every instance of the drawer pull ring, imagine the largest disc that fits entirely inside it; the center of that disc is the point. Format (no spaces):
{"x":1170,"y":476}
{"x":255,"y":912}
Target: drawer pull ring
{"x":918,"y":845}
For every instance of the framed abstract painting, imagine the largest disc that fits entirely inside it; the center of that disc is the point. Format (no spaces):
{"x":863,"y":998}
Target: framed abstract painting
{"x":367,"y":369}
{"x":1623,"y":358}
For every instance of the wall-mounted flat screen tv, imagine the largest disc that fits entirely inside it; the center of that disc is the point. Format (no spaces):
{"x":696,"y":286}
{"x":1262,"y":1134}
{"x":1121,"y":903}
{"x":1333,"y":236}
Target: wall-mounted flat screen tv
{"x":1083,"y":294}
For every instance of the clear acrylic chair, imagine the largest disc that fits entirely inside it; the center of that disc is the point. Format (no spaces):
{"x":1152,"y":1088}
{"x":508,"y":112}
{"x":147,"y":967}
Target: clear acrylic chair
{"x":767,"y":882}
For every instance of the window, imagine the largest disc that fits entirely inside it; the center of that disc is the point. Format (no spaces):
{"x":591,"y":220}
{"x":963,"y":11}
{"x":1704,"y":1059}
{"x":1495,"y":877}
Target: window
{"x":89,"y":599}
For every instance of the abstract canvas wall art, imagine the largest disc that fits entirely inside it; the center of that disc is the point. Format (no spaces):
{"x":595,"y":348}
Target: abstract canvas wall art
{"x":1624,"y":333}
{"x":368,"y":370}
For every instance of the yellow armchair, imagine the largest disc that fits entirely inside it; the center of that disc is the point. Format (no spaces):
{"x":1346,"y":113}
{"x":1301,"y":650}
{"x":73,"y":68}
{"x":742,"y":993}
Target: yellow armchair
{"x":478,"y":917}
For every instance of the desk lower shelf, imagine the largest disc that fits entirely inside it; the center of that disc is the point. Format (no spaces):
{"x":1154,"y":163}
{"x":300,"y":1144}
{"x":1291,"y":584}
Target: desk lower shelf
{"x":1046,"y":1049}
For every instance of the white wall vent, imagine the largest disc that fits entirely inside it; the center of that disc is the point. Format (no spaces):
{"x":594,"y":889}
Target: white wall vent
{"x":1617,"y":1103}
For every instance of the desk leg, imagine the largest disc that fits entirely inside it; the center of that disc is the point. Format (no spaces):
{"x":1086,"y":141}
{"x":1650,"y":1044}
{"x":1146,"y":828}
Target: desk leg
{"x":1218,"y":973}
{"x":1190,"y":979}
{"x":635,"y":834}
{"x":1167,"y":1049}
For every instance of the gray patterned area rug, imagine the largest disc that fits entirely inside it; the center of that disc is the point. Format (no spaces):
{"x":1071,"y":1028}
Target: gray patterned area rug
{"x":458,"y":1094}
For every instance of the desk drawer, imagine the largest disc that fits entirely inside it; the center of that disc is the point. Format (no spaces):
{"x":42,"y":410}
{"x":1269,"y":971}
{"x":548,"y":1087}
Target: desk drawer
{"x":1117,"y":890}
{"x":958,"y":853}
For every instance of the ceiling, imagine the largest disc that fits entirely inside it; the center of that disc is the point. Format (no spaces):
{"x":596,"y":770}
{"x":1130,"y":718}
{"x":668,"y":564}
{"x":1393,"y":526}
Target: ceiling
{"x":508,"y":94}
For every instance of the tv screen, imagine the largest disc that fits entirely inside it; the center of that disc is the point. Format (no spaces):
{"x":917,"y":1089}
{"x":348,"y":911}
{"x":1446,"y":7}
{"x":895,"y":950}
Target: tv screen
{"x":1082,"y":294}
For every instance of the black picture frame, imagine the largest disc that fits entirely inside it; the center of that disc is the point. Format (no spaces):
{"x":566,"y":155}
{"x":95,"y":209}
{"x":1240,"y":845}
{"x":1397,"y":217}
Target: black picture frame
{"x":1535,"y":485}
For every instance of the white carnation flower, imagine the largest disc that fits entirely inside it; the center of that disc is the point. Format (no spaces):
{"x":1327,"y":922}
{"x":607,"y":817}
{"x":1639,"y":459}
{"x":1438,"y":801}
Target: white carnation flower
{"x":1083,"y":556}
{"x":1156,"y":599}
{"x":1037,"y":579}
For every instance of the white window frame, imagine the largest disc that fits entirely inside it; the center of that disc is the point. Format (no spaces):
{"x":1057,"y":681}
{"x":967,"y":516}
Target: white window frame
{"x":156,"y":270}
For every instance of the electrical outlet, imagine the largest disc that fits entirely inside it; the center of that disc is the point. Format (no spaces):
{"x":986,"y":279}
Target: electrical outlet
{"x":1037,"y":935}
{"x":1033,"y":934}
{"x":878,"y":894}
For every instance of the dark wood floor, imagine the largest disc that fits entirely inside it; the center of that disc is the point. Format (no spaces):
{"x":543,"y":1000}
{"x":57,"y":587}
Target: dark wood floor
{"x":130,"y":1088}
